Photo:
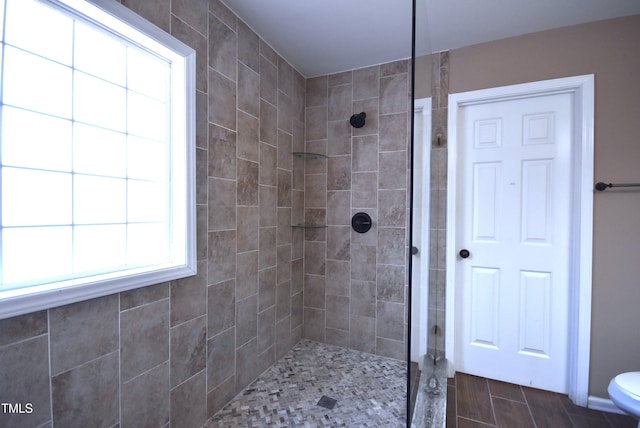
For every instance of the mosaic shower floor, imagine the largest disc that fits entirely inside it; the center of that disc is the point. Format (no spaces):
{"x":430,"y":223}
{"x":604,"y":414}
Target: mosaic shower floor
{"x":297,"y":391}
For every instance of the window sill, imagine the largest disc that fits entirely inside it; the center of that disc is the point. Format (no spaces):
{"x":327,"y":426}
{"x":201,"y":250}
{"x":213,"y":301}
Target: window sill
{"x":31,"y":299}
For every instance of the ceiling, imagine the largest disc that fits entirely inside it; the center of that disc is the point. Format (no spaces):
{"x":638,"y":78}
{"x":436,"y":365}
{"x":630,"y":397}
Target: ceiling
{"x":321,"y":37}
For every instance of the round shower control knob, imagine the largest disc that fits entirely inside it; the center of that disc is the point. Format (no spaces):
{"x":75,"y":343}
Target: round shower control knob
{"x":464,"y":253}
{"x":361,"y":222}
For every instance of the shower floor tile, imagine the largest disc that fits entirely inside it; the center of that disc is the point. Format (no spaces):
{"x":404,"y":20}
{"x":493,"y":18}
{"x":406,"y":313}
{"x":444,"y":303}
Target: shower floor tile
{"x":370,"y":391}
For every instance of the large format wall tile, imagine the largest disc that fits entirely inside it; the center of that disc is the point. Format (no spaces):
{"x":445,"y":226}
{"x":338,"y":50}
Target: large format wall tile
{"x":266,"y":329}
{"x":366,"y":83}
{"x":142,"y":296}
{"x":223,"y":44}
{"x":183,"y":32}
{"x":192,"y":12}
{"x":188,"y":349}
{"x":248,"y":136}
{"x":189,"y":402}
{"x":394,"y":94}
{"x":87,"y":395}
{"x":221,"y":314}
{"x":248,"y":366}
{"x":222,"y":107}
{"x":248,"y":90}
{"x":144,"y":337}
{"x":23,"y":327}
{"x":266,"y":288}
{"x":246,"y":320}
{"x":222,"y":256}
{"x":221,"y":358}
{"x":83,"y":331}
{"x":156,"y":11}
{"x":24,"y":375}
{"x":188,"y":296}
{"x":222,"y":152}
{"x":146,"y":399}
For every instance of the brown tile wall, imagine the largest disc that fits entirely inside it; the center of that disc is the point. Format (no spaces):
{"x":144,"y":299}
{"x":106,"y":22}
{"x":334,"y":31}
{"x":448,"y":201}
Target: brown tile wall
{"x":438,"y":203}
{"x":355,"y":285}
{"x":177,"y":352}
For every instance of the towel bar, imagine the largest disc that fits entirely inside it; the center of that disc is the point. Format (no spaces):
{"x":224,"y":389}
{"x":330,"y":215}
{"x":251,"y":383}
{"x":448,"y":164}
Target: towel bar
{"x":603,"y":186}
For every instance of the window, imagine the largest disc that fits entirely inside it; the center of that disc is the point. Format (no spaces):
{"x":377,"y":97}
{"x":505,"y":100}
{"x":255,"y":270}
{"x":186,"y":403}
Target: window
{"x":96,"y":153}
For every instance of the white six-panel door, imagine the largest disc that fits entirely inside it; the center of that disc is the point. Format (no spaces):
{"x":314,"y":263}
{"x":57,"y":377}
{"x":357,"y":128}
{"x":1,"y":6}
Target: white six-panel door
{"x":514,"y":184}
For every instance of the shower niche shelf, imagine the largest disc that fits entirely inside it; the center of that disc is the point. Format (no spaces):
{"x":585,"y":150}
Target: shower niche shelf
{"x":309,"y":226}
{"x":309,"y":155}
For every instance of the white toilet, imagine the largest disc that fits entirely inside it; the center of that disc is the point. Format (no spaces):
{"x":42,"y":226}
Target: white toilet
{"x":624,"y":391}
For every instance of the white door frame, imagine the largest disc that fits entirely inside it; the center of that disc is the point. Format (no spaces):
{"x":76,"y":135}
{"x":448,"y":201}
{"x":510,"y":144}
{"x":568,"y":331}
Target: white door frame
{"x":421,"y":191}
{"x":581,"y":240}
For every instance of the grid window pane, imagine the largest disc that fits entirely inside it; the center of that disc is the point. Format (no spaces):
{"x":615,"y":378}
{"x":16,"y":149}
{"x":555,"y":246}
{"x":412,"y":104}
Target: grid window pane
{"x":90,"y":137}
{"x":35,"y":253}
{"x":42,"y":30}
{"x":34,"y":198}
{"x":147,"y":243}
{"x":147,"y":159}
{"x":34,"y":140}
{"x":36,"y":83}
{"x":146,"y":201}
{"x":99,"y":200}
{"x":153,"y":123}
{"x":99,"y":248}
{"x":2,"y":6}
{"x":100,"y":54}
{"x":99,"y":151}
{"x":147,"y":74}
{"x":98,"y":102}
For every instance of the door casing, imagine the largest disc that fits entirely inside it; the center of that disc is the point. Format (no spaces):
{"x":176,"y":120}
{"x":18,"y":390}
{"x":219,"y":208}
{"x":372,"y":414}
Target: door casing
{"x":582,"y":150}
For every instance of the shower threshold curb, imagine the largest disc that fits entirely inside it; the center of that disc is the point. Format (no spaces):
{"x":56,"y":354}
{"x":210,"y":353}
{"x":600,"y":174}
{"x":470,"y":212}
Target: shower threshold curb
{"x":431,"y":403}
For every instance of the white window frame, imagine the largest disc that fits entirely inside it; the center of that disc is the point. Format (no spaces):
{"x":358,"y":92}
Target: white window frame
{"x":123,"y":21}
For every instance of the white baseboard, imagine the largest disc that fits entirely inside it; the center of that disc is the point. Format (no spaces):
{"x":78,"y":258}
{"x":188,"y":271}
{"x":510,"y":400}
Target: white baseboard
{"x":603,"y":404}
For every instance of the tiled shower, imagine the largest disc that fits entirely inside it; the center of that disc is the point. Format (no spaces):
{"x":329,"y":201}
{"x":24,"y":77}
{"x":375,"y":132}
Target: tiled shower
{"x":355,"y":284}
{"x":177,"y":352}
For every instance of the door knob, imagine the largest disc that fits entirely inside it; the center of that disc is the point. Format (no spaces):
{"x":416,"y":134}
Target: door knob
{"x":414,"y":250}
{"x":464,"y":253}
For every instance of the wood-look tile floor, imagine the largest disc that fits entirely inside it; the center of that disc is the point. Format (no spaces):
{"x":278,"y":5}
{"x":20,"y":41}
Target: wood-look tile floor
{"x":414,"y":374}
{"x":475,"y":402}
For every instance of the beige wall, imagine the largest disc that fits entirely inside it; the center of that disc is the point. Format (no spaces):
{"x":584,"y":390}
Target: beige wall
{"x":611,"y":51}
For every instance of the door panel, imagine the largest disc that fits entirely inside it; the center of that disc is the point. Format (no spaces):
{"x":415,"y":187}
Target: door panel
{"x":514,"y":216}
{"x":486,"y":201}
{"x":535,"y":313}
{"x":536,"y":206}
{"x":485,"y":293}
